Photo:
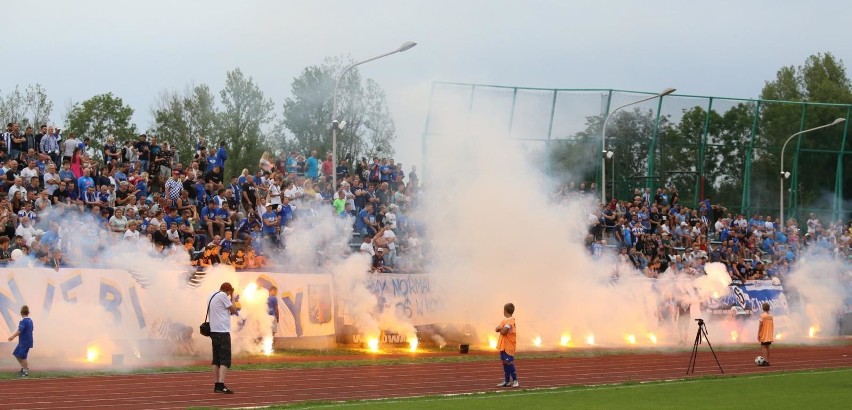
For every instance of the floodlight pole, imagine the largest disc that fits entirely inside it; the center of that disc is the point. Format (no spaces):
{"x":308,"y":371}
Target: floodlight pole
{"x":667,"y":91}
{"x":784,"y":176}
{"x":334,"y":123}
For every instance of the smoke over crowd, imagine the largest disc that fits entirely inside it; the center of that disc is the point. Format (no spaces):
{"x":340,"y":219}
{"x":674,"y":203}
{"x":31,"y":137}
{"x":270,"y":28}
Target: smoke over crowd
{"x":495,"y":236}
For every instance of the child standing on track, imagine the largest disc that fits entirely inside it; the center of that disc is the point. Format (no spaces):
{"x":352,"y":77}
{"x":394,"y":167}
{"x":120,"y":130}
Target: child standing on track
{"x":765,"y":332}
{"x":25,"y":341}
{"x":506,"y":344}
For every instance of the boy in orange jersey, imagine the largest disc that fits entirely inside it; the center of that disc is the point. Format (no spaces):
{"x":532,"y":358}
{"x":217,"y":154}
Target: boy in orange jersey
{"x":506,"y":344}
{"x":765,"y":332}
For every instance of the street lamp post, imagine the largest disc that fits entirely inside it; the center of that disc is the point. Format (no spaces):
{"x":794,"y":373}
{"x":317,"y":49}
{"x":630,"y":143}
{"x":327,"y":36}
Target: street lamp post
{"x":611,"y":156}
{"x":334,"y":123}
{"x":785,"y":175}
{"x":667,"y":91}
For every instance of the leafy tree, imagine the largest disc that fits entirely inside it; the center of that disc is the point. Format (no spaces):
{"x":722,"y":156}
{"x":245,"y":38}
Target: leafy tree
{"x":822,"y":78}
{"x":369,"y":129}
{"x":99,"y":117}
{"x":245,"y":111}
{"x":30,"y":108}
{"x":181,"y":119}
{"x":629,"y":134}
{"x":201,"y":112}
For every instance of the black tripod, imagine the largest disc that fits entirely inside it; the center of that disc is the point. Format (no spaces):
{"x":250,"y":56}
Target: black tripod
{"x":702,"y":333}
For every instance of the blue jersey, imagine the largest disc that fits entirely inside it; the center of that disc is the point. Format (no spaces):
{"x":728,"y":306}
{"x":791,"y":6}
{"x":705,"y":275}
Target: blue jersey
{"x":312,"y":168}
{"x":272,"y":306}
{"x":25,"y":339}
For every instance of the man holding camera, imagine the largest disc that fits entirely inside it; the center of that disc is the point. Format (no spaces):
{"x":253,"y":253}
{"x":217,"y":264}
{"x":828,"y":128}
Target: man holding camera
{"x":221,"y":309}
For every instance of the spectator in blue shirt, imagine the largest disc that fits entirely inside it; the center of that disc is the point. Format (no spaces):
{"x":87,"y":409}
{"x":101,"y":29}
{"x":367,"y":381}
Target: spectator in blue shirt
{"x":312,"y":166}
{"x":221,"y":155}
{"x":384,"y":171}
{"x":210,"y":216}
{"x":271,"y":222}
{"x":285,"y":211}
{"x":365,"y":224}
{"x":142,"y":187}
{"x":85,"y":181}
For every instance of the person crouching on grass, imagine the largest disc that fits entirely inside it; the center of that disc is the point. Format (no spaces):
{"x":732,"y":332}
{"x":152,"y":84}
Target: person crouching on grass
{"x":765,"y":332}
{"x":25,"y":341}
{"x":506,"y":344}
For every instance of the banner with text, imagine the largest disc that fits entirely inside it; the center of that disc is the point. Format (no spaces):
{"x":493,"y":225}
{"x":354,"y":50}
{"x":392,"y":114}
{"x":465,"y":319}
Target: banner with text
{"x":746,"y":300}
{"x":137,"y":305}
{"x":412,"y":295}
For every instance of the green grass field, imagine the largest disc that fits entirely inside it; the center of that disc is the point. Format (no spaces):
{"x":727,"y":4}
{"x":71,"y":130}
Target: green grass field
{"x":825,"y":389}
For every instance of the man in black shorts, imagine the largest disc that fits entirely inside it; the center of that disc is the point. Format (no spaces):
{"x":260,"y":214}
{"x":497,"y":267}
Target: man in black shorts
{"x":221,"y":309}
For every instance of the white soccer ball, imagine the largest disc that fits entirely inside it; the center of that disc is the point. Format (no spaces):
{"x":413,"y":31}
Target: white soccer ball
{"x":759,"y":360}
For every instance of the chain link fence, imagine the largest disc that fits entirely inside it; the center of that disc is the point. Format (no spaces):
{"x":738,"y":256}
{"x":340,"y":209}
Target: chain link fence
{"x":726,"y":149}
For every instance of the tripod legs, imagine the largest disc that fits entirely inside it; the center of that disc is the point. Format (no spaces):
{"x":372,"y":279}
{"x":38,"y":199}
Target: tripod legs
{"x":702,"y":333}
{"x":701,"y":328}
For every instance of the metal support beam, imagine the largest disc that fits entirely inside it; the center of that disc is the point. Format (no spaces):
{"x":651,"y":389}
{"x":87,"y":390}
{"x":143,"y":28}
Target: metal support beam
{"x":699,"y":182}
{"x":745,"y":206}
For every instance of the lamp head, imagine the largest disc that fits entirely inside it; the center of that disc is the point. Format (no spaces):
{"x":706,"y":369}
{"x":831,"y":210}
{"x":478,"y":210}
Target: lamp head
{"x":785,"y":175}
{"x":406,"y":46}
{"x":838,"y":121}
{"x":668,"y":91}
{"x":609,"y":154}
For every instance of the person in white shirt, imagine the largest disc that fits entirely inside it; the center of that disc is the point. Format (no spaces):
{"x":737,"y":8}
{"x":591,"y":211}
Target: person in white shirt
{"x":390,"y":258}
{"x":69,"y":146}
{"x":28,"y":232}
{"x":30,"y":171}
{"x":18,"y":187}
{"x":118,"y":222}
{"x":220,"y":308}
{"x":131,"y":232}
{"x":390,"y":216}
{"x":51,"y":179}
{"x":367,"y":246}
{"x":274,"y":195}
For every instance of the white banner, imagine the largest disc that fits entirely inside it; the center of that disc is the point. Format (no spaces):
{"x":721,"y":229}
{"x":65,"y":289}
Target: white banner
{"x":112,"y":298}
{"x":412,"y":295}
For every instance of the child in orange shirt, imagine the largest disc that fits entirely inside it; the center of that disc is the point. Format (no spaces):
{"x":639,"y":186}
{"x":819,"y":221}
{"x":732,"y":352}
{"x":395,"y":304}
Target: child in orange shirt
{"x":506,"y":344}
{"x":765,"y":332}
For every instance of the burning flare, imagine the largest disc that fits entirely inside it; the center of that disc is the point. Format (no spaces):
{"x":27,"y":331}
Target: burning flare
{"x":813,"y":331}
{"x":267,"y":345}
{"x":630,"y":339}
{"x":779,"y":336}
{"x":92,"y":354}
{"x":590,"y":340}
{"x":537,"y":341}
{"x":565,"y":340}
{"x":652,"y":337}
{"x":492,"y":341}
{"x":249,"y":293}
{"x":373,"y":344}
{"x":734,"y":335}
{"x":412,"y":343}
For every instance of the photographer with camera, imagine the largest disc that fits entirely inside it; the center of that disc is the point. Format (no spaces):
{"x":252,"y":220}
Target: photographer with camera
{"x":221,"y":307}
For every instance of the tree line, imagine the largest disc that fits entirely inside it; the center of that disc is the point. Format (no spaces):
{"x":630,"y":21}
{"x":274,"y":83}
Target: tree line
{"x":240,"y":115}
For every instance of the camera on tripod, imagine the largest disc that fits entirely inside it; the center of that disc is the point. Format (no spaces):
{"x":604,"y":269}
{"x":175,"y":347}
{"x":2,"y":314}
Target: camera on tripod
{"x":701,"y":335}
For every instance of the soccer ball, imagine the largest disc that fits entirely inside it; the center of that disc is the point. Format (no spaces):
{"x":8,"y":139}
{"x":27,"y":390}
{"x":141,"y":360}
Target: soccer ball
{"x":759,"y":360}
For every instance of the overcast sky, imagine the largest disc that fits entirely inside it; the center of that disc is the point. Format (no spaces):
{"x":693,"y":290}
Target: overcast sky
{"x":136,"y":49}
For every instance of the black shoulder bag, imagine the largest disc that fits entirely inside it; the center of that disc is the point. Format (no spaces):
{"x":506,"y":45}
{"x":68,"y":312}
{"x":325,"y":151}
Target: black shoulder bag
{"x":204,"y":329}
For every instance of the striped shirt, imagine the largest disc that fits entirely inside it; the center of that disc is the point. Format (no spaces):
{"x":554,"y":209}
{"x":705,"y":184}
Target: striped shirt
{"x":50,"y":144}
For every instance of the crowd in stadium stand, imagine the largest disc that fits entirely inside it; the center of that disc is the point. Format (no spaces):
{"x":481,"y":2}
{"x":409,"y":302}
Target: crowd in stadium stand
{"x":656,"y":234}
{"x":140,"y":189}
{"x":60,"y":202}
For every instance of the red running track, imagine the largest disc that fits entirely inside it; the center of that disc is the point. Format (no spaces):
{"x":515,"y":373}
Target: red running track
{"x":266,"y":387}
